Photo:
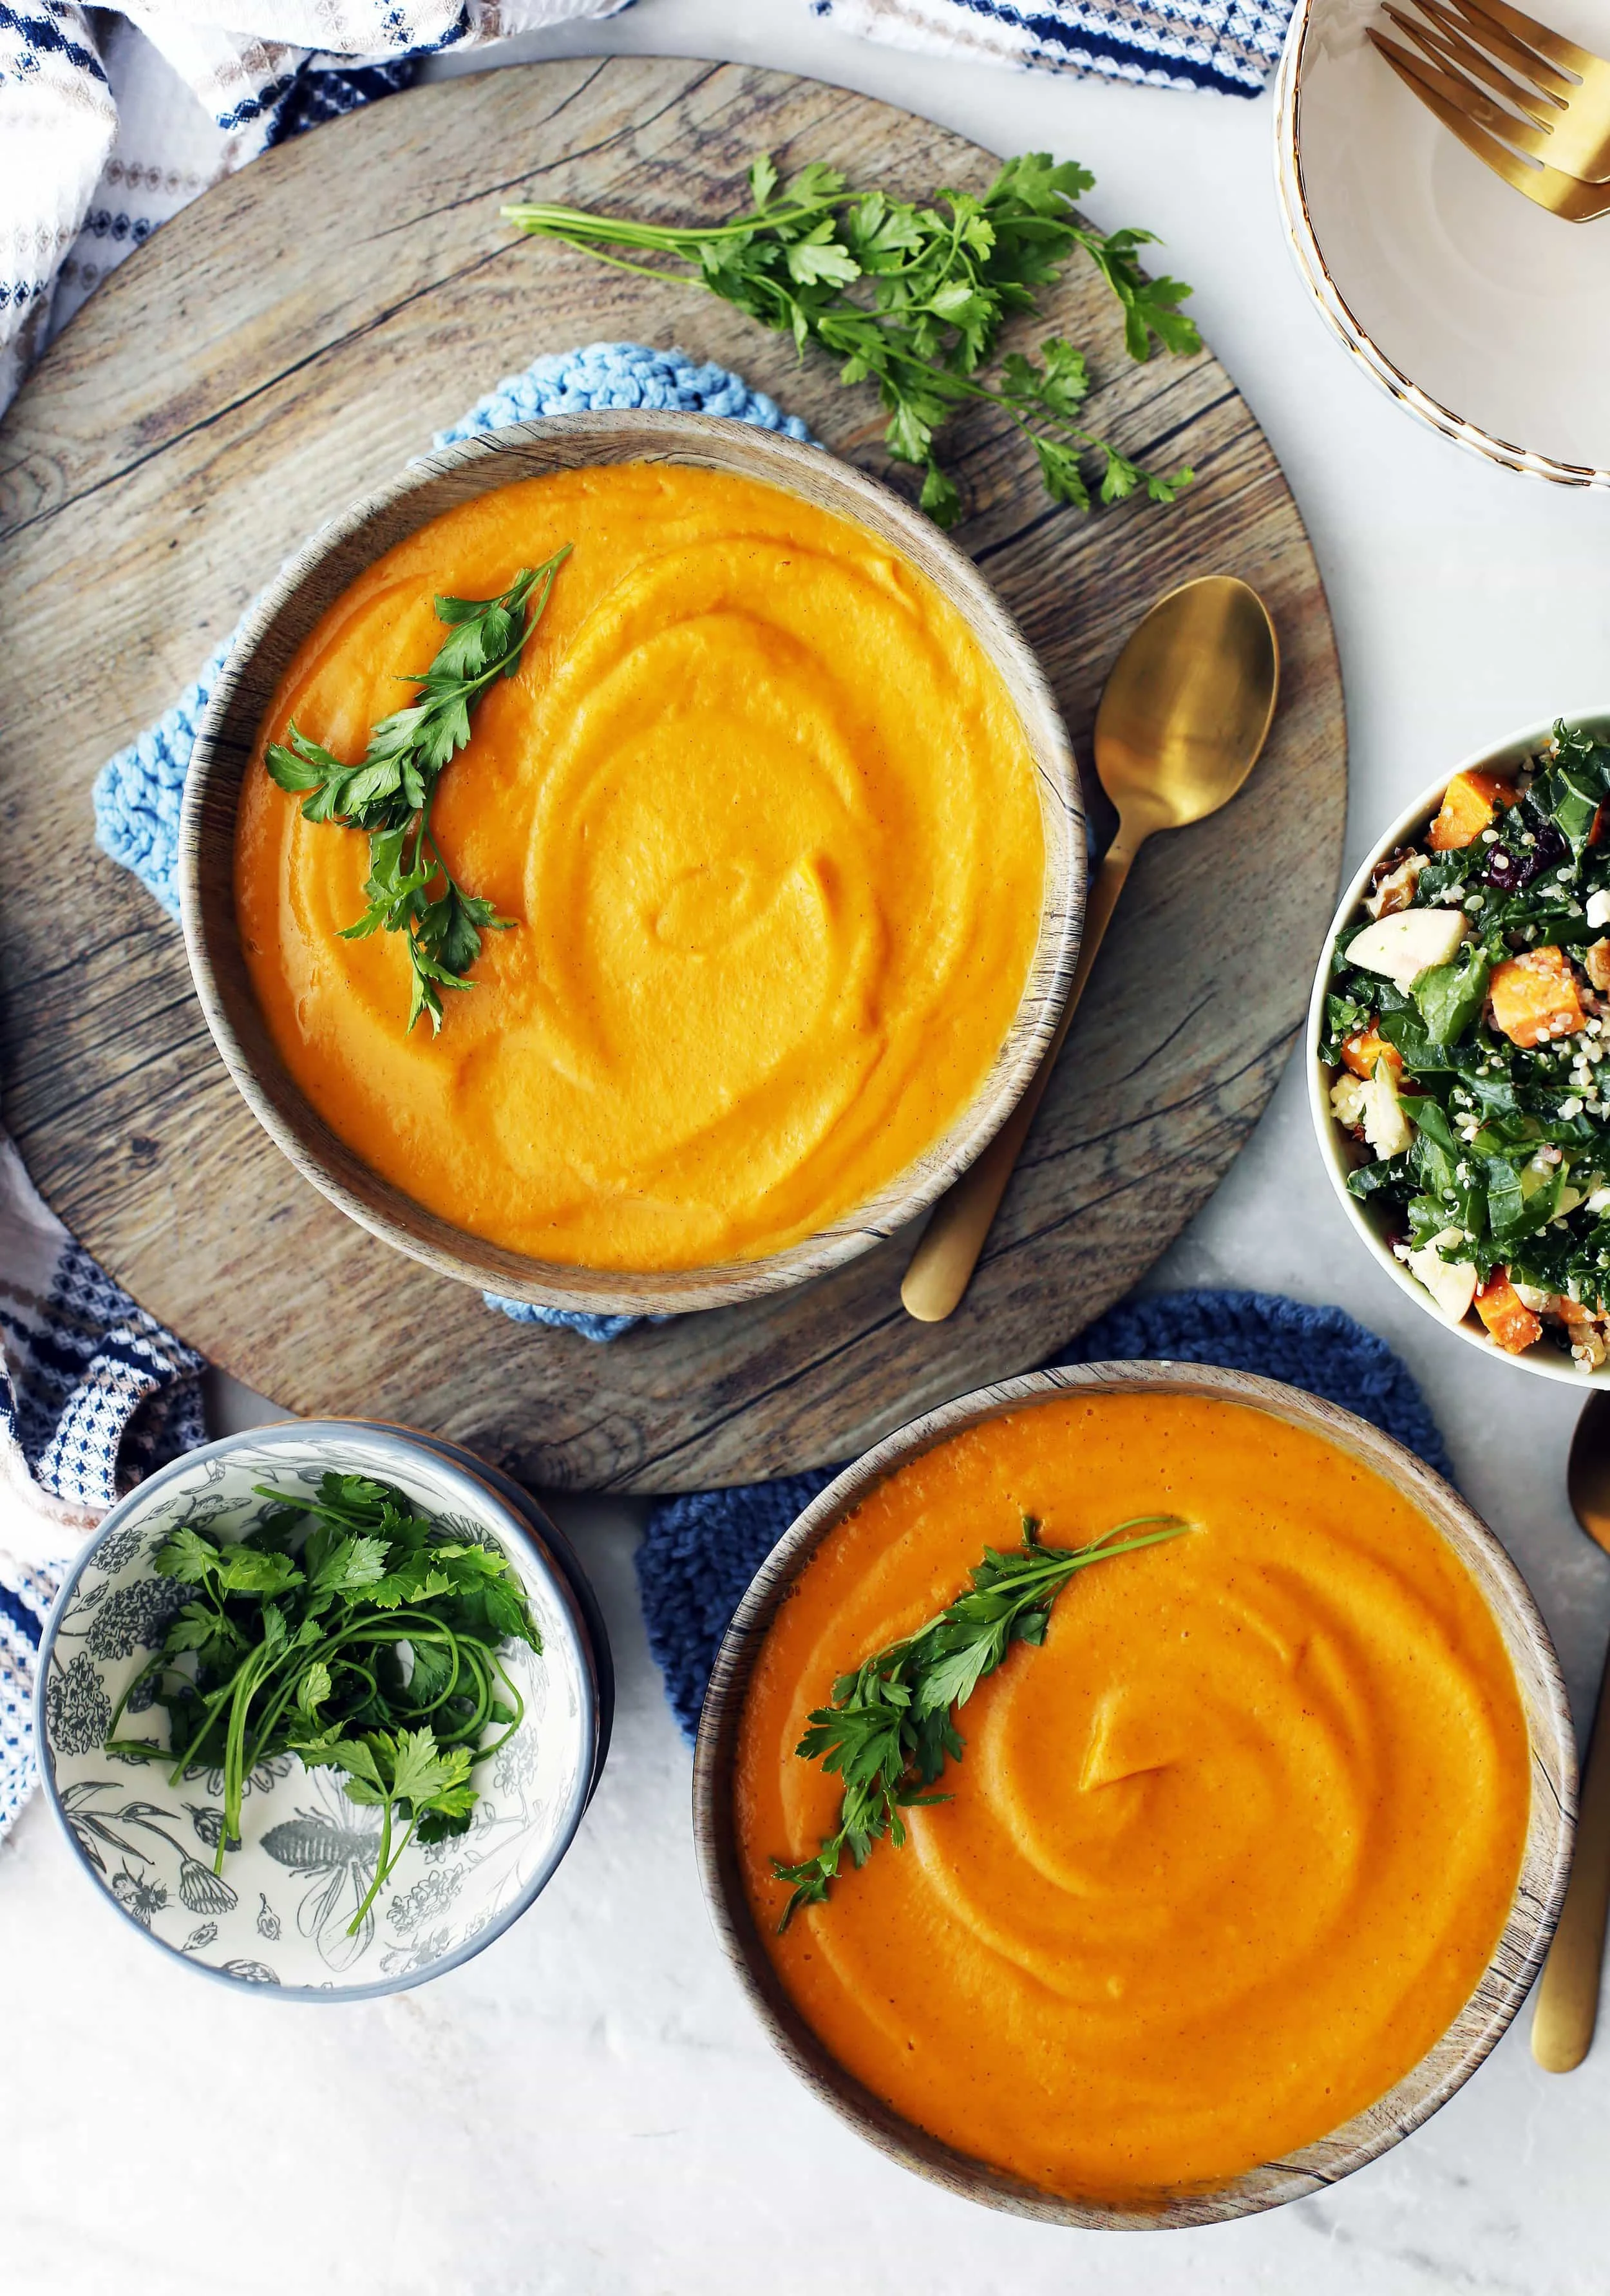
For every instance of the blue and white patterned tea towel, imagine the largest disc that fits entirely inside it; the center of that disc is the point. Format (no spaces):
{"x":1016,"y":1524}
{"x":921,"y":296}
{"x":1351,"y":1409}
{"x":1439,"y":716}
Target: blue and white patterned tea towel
{"x":110,"y":123}
{"x":1230,"y":45}
{"x":94,"y":1393}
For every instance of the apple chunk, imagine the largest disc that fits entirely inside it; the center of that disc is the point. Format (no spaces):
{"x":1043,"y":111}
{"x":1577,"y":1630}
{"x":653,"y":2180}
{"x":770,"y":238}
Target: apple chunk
{"x":1408,"y":944}
{"x":1451,"y":1283}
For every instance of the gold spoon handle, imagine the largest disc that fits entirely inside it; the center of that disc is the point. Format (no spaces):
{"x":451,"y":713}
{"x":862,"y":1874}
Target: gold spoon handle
{"x":941,"y":1267}
{"x":1568,"y":1996}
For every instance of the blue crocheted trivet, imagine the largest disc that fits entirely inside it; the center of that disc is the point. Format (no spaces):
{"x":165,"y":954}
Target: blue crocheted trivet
{"x":138,"y":793}
{"x":702,"y":1551}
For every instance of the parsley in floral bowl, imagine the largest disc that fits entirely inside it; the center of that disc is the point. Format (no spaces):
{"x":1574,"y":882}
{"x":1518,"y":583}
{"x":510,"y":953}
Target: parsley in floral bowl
{"x":1459,"y":1039}
{"x":320,"y":1711}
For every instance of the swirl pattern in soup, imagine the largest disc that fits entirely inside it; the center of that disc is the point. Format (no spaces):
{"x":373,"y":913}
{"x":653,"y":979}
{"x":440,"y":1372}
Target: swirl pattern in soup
{"x":766,"y":822}
{"x":1226,"y":1857}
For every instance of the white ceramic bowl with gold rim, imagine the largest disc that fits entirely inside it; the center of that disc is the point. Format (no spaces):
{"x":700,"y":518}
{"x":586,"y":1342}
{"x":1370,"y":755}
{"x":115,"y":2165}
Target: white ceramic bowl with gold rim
{"x":1341,"y":1154}
{"x":1486,"y":317}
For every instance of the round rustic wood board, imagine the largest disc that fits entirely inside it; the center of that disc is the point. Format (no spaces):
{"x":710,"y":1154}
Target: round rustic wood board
{"x":287,"y":343}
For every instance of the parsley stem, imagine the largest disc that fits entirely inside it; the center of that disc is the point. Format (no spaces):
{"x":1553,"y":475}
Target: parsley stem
{"x":234,"y":1775}
{"x":213,"y":1708}
{"x":382,"y":1868}
{"x":669,"y":239}
{"x":386,"y":1863}
{"x":153,"y":1666}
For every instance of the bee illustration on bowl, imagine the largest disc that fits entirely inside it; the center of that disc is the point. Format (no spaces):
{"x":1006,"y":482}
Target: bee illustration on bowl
{"x":334,"y":1847}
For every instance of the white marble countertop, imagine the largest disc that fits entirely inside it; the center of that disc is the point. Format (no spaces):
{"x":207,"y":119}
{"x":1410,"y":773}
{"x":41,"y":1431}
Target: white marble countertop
{"x":589,"y":2107}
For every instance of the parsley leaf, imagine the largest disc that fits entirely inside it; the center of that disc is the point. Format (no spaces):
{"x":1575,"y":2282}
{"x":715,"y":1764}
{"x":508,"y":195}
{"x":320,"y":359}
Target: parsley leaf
{"x":186,"y":1554}
{"x":348,"y":1629}
{"x":890,"y":1730}
{"x":409,"y":889}
{"x":913,"y":298}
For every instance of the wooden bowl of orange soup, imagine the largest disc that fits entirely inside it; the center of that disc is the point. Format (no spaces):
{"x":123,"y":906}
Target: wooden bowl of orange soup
{"x":1246,"y":1868}
{"x":782,"y":812}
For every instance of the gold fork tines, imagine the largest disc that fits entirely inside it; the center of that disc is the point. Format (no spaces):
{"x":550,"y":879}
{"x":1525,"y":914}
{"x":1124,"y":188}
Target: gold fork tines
{"x":1479,"y":125}
{"x":1443,"y":38}
{"x":1526,"y":63}
{"x":1558,"y":94}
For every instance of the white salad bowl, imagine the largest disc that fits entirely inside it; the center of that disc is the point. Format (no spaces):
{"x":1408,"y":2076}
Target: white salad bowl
{"x":1485,"y":317}
{"x":1340,"y":1152}
{"x":278,"y":1917}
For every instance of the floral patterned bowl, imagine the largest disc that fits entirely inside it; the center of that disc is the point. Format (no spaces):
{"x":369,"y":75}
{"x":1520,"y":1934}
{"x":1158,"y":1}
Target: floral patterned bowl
{"x":279,"y":1915}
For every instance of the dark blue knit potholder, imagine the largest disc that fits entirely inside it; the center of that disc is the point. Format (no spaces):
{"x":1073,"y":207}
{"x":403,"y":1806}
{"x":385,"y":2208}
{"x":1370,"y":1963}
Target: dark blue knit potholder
{"x":701,"y":1551}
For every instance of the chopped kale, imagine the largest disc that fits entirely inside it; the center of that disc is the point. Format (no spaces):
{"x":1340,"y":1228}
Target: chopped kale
{"x":1511,"y":1146}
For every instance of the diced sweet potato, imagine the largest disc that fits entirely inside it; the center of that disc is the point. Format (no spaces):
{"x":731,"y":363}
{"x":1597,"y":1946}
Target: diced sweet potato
{"x":1470,"y":804}
{"x":1360,"y":1052}
{"x":1510,"y":1321}
{"x":1534,"y":996}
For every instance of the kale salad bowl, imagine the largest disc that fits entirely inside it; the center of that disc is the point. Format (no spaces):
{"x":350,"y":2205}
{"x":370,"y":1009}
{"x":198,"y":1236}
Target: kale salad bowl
{"x":320,"y":1708}
{"x":1457,"y":1036}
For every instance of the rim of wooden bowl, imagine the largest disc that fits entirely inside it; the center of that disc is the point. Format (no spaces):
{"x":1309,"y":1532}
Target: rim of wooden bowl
{"x":1340,"y":1154}
{"x":1445,"y":2067}
{"x":288,"y":611}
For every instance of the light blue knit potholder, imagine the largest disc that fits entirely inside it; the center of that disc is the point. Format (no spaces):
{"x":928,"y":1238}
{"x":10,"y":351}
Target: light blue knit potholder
{"x":138,"y":793}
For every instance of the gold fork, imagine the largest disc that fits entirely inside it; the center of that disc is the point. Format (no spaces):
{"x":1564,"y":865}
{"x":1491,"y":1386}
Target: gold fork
{"x":1564,"y":119}
{"x":1467,"y":114}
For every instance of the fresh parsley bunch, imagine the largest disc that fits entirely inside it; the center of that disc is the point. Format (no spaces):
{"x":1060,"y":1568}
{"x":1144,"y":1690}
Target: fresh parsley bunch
{"x":913,"y":298}
{"x":890,"y":1729}
{"x":372,"y":1648}
{"x":389,"y":792}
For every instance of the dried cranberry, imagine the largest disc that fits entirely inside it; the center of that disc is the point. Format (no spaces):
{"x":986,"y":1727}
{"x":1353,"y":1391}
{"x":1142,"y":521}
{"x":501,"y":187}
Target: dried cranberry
{"x":1512,"y":873}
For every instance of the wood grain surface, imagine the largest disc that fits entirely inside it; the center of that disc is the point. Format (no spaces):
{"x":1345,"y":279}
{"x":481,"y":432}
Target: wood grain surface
{"x":285,"y":345}
{"x":1539,"y":1889}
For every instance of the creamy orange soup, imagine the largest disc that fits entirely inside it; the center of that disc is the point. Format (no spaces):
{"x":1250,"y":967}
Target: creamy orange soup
{"x":767,"y":823}
{"x":1226,"y":1857}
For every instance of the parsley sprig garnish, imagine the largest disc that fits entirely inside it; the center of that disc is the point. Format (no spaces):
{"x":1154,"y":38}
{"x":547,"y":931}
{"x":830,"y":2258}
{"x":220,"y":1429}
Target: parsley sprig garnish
{"x":371,"y":1648}
{"x":913,"y":298}
{"x":890,"y":1729}
{"x":389,"y":792}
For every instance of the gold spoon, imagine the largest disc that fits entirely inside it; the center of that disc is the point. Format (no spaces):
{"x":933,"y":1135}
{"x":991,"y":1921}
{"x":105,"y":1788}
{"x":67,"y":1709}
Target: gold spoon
{"x":1184,"y":714}
{"x":1567,"y":1993}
